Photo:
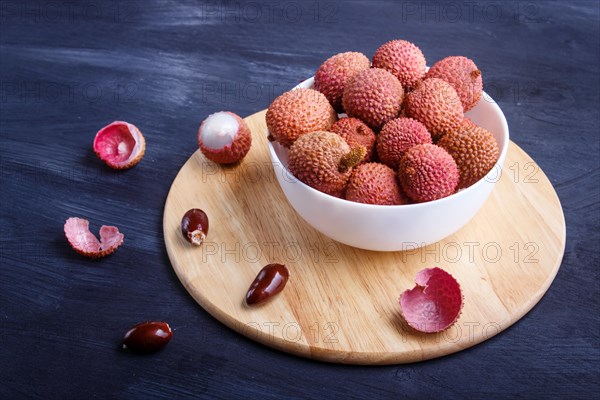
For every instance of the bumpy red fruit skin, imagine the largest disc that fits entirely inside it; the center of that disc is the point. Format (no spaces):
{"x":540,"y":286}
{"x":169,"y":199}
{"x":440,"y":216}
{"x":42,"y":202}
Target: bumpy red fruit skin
{"x":315,"y":159}
{"x":434,"y":304}
{"x":234,"y":152}
{"x":298,"y":112}
{"x":436,"y":105}
{"x":374,"y":96}
{"x":332,"y":75}
{"x":120,"y":145}
{"x":397,"y":136}
{"x":427,"y":172}
{"x":475,"y":151}
{"x":77,"y":232}
{"x":356,"y":133}
{"x":403,"y":59}
{"x":463,"y":75}
{"x":374,"y":183}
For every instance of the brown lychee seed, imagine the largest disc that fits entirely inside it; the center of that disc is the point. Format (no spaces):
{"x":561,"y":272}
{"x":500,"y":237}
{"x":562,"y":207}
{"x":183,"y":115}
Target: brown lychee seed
{"x":120,"y":145}
{"x":475,"y":151}
{"x":333,"y":74}
{"x":297,"y":112}
{"x":356,"y":133}
{"x":194,"y":226}
{"x":224,"y":138}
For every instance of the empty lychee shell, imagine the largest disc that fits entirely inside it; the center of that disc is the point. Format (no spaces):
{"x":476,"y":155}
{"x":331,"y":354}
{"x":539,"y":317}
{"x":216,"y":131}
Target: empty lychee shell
{"x":77,"y":231}
{"x":120,"y":145}
{"x":434,"y":304}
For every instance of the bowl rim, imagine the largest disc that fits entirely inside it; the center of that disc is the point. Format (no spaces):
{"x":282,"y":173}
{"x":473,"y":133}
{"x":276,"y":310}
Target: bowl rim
{"x":498,"y":166}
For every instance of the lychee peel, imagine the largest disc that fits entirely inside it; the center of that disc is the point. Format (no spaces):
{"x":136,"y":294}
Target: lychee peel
{"x":374,"y":96}
{"x":332,"y":75}
{"x":427,"y":172}
{"x":436,"y":105}
{"x":434,"y":304}
{"x":297,"y":112}
{"x":356,"y":133}
{"x":224,"y":138}
{"x":397,"y":136}
{"x":463,"y":75}
{"x":77,"y":232}
{"x":403,"y":59}
{"x":120,"y":145}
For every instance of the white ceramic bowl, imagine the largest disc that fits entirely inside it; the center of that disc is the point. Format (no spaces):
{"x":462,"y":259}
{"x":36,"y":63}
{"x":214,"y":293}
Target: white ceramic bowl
{"x":394,"y":228}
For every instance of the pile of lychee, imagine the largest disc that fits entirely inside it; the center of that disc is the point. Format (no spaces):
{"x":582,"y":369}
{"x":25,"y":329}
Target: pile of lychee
{"x":405,"y":138}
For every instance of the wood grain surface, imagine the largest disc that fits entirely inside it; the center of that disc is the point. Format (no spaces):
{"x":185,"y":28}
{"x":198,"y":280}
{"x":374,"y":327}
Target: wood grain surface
{"x":340,"y":304}
{"x":68,"y":68}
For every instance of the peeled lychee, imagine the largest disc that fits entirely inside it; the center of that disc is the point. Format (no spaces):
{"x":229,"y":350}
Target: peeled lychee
{"x":475,"y":151}
{"x":427,"y":172}
{"x":120,"y":145}
{"x":374,"y":183}
{"x":297,"y":112}
{"x":333,"y":74}
{"x":324,"y":161}
{"x":463,"y":75}
{"x":434,"y":103}
{"x":434,"y":304}
{"x":356,"y":133}
{"x":84,"y":242}
{"x":224,"y":138}
{"x":374,"y":96}
{"x":403,"y":59}
{"x":397,"y":136}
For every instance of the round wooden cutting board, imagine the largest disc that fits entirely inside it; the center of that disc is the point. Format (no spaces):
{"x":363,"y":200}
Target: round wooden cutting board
{"x":341,"y":303}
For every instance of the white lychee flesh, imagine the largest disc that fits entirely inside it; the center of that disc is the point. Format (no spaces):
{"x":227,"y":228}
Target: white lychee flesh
{"x":219,"y":130}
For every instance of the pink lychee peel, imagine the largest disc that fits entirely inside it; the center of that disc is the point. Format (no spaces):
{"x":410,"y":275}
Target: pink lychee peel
{"x":120,"y":145}
{"x":434,"y":304}
{"x":77,"y":231}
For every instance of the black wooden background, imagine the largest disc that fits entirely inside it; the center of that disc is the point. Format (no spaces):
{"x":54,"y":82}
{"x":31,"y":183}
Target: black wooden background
{"x":70,"y":67}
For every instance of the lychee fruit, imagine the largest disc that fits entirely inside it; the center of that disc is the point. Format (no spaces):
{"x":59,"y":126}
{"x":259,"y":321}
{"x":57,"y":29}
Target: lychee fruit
{"x":397,"y":136}
{"x":463,"y":75}
{"x":224,"y":138}
{"x":374,"y":183}
{"x":467,"y":122}
{"x":77,"y":232}
{"x":436,"y":105}
{"x":297,"y":112}
{"x":120,"y":145}
{"x":475,"y":151}
{"x":434,"y":304}
{"x":356,"y":133}
{"x":373,"y":96}
{"x":324,"y":161}
{"x":403,"y":59}
{"x":332,"y":75}
{"x":427,"y":172}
